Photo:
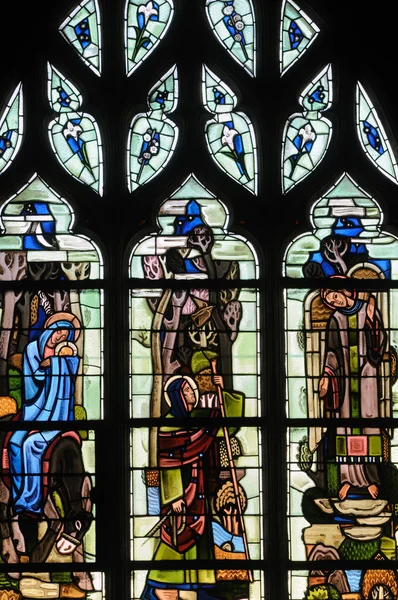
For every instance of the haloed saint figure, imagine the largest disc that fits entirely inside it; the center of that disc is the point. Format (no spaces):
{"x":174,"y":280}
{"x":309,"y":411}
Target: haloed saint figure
{"x":349,"y":386}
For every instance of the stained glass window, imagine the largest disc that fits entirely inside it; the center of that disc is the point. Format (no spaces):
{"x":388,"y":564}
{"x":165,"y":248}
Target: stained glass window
{"x":169,"y":274}
{"x":341,"y":356}
{"x":51,"y":368}
{"x":196,"y":462}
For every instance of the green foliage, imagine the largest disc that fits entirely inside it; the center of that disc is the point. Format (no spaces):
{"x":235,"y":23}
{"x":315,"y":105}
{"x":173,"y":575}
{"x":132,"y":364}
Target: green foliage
{"x":81,"y":415}
{"x":333,"y":479}
{"x":15,"y":384}
{"x":304,"y":456}
{"x":61,"y":577}
{"x":354,"y":550}
{"x":322,"y":592}
{"x":6,"y":583}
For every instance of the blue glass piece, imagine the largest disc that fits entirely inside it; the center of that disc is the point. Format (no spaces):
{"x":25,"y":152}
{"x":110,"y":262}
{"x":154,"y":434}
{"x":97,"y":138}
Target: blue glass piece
{"x":347,"y":226}
{"x":186,"y":223}
{"x":235,"y":25}
{"x":82,"y":31}
{"x":150,"y":147}
{"x":64,"y":98}
{"x":5,"y":141}
{"x":318,"y":95}
{"x":354,"y":579}
{"x":295,"y":35}
{"x":219,"y":97}
{"x":373,"y":137}
{"x":141,"y":21}
{"x":161,"y":97}
{"x":239,"y":151}
{"x":41,"y":235}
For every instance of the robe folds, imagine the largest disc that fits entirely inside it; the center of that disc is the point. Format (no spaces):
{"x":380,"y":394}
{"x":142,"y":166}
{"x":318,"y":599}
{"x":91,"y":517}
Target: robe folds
{"x":48,"y":396}
{"x":188,"y":463}
{"x":354,"y":350}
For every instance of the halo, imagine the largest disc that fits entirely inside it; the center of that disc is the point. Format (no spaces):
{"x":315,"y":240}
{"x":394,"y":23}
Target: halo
{"x":64,"y":316}
{"x":59,"y":347}
{"x":186,"y":378}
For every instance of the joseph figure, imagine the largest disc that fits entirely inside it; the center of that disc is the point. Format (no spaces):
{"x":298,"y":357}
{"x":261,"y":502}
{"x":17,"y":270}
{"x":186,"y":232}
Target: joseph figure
{"x":355,"y":344}
{"x":187,"y":466}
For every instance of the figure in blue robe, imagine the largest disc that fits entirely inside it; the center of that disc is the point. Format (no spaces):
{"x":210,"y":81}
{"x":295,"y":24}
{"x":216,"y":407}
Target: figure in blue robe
{"x":49,"y":387}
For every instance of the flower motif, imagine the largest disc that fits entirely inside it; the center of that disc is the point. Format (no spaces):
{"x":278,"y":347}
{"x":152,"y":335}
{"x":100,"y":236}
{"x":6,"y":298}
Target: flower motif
{"x":228,"y":137}
{"x":72,"y":130}
{"x":150,"y":11}
{"x":307,"y":134}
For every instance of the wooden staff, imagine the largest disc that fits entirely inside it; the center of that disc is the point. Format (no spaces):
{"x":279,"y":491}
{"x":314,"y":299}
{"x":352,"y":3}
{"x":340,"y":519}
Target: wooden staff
{"x":235,"y":485}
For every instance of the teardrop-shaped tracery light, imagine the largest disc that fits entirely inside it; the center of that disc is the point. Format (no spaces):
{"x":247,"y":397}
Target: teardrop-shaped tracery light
{"x":307,"y":135}
{"x":230,"y":134}
{"x":298,"y":32}
{"x":11,"y":128}
{"x":82,"y":29}
{"x":372,"y":136}
{"x":146,"y":23}
{"x":153,"y":137}
{"x":74,"y":135}
{"x":233,"y":23}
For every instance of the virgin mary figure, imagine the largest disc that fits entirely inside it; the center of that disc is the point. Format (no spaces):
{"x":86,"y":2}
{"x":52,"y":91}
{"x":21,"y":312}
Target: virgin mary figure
{"x":50,"y":364}
{"x":355,"y":344}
